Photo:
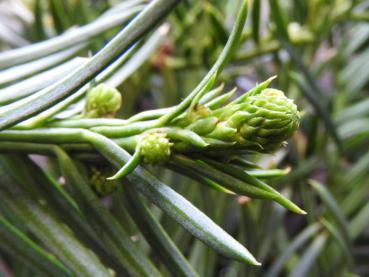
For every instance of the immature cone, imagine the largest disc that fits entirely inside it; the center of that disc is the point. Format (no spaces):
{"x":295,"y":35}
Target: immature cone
{"x":102,"y":101}
{"x":100,"y":184}
{"x":268,"y":119}
{"x":155,"y":148}
{"x":261,"y":122}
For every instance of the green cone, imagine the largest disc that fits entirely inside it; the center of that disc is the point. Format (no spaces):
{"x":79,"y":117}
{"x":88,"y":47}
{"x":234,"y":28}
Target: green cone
{"x":261,"y":122}
{"x":268,"y":119}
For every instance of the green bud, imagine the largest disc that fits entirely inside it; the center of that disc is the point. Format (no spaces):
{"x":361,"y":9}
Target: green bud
{"x":155,"y":148}
{"x":102,"y":101}
{"x":100,"y":184}
{"x":274,"y":118}
{"x":264,"y":120}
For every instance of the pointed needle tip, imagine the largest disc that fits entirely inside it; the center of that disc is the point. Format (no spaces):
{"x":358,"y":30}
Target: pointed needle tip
{"x":301,"y":211}
{"x":257,"y":264}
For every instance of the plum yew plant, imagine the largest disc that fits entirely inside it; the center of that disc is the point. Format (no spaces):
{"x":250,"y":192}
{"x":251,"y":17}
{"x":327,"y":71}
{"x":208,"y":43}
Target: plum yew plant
{"x":65,"y":146}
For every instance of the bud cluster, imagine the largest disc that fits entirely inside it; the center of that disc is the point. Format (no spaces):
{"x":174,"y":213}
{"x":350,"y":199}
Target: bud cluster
{"x":261,"y":122}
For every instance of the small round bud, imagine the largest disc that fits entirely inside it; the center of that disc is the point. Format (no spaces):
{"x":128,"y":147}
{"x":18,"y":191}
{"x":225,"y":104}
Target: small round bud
{"x":100,"y":184}
{"x":155,"y":148}
{"x":264,"y":120}
{"x":102,"y":101}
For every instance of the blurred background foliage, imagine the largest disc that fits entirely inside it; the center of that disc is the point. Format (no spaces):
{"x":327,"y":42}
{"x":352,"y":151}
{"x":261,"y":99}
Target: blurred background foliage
{"x":319,"y":51}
